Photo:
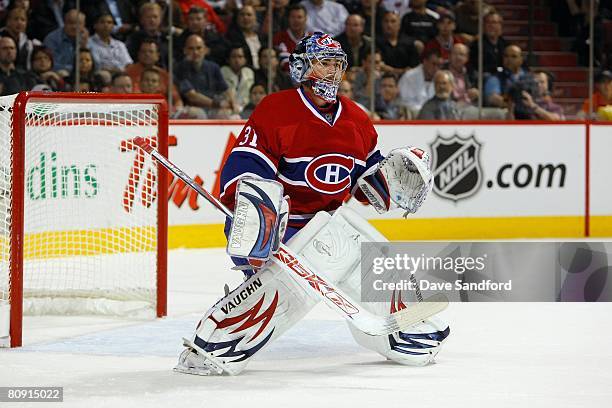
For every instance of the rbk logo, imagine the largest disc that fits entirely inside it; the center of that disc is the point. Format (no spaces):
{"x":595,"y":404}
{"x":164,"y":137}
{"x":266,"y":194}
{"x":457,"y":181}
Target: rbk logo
{"x":330,"y":173}
{"x":318,"y":283}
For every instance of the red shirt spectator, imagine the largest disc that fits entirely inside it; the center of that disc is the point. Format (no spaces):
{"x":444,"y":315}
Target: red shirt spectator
{"x":603,"y":93}
{"x":211,"y":15}
{"x":446,"y":37}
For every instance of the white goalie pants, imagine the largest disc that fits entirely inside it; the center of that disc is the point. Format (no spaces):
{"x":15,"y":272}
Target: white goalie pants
{"x":270,"y":302}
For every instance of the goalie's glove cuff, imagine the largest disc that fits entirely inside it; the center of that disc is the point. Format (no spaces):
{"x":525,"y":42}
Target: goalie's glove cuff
{"x":402,"y":178}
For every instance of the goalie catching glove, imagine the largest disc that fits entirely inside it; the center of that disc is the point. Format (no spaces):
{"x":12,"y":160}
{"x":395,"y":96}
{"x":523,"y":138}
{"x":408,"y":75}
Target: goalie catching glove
{"x":260,"y":220}
{"x":403,"y":178}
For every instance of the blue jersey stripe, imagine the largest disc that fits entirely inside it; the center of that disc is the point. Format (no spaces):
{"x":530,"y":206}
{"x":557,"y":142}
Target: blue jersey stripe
{"x":244,"y":162}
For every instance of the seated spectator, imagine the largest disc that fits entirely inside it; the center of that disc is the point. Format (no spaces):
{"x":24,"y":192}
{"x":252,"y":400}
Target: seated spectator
{"x":62,"y":41}
{"x":285,"y":41}
{"x":150,"y":83}
{"x":465,"y":92}
{"x":325,"y":16}
{"x":497,"y":87}
{"x":109,"y":54}
{"x":540,"y":105}
{"x":101,"y":81}
{"x":398,"y":52}
{"x":260,"y":8}
{"x":441,"y":106}
{"x":279,"y":17}
{"x":256,"y":94}
{"x":419,"y":22}
{"x":84,"y":87}
{"x":442,"y":6}
{"x":280,"y":79}
{"x":201,"y":83}
{"x":353,"y":40}
{"x":178,"y":18}
{"x":4,"y":7}
{"x":399,"y":7}
{"x":245,"y":34}
{"x":47,"y":16}
{"x":150,"y":20}
{"x":197,"y":23}
{"x":446,"y":38}
{"x":389,"y":105}
{"x":24,"y":4}
{"x":121,"y":12}
{"x":466,"y":14}
{"x":211,"y":15}
{"x":493,"y":45}
{"x":42,"y":65}
{"x":16,"y":24}
{"x":364,"y":9}
{"x":416,"y":86}
{"x":12,"y":78}
{"x":238,"y":76}
{"x":148,"y":57}
{"x":87,"y":69}
{"x":121,"y":83}
{"x":366,"y":79}
{"x":602,"y":97}
{"x":346,"y":90}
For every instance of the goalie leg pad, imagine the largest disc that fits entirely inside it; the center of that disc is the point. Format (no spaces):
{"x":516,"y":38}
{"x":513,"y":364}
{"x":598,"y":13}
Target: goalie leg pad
{"x":417,"y":346}
{"x":244,"y":322}
{"x":341,"y":237}
{"x":250,"y":317}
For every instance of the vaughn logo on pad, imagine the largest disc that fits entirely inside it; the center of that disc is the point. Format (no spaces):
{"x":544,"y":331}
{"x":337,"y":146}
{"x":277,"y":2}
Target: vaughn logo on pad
{"x":456,"y":167}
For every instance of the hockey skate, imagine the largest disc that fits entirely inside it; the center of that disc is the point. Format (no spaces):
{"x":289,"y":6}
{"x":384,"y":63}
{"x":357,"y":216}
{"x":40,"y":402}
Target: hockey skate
{"x":192,"y":362}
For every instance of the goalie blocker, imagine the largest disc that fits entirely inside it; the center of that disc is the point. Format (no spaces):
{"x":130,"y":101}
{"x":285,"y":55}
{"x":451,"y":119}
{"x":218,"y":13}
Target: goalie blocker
{"x":269,"y":302}
{"x":260,"y":220}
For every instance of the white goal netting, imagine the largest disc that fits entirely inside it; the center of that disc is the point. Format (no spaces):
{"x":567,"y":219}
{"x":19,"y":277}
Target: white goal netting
{"x":90,"y":208}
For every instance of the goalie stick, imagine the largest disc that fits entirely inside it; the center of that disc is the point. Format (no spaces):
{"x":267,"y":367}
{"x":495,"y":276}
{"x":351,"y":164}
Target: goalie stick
{"x":316,"y":284}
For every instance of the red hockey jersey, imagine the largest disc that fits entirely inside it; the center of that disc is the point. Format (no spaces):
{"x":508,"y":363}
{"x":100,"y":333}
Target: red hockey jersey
{"x":318,"y":161}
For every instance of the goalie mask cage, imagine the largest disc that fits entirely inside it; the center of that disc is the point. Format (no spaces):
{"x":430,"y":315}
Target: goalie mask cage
{"x":83,"y":212}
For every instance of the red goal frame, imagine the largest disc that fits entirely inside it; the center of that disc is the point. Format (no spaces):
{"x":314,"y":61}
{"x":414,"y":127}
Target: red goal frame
{"x":17,"y":197}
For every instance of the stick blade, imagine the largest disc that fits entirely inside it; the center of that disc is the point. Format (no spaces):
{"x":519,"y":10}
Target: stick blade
{"x":418,"y":312}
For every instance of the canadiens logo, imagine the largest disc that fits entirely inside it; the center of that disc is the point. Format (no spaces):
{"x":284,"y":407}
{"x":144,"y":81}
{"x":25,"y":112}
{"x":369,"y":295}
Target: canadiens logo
{"x":330,"y":173}
{"x":327,"y":41}
{"x":456,"y":167}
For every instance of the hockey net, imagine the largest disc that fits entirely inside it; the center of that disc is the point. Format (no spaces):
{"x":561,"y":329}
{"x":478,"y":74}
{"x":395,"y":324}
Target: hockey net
{"x":82,"y":215}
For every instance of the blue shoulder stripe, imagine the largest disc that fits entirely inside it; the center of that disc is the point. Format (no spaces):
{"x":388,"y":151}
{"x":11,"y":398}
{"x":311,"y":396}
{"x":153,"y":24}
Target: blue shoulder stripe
{"x":241,"y":162}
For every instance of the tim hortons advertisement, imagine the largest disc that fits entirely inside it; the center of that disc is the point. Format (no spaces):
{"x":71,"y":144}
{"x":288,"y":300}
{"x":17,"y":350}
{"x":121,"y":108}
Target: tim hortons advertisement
{"x":483,"y":173}
{"x":108,"y":186}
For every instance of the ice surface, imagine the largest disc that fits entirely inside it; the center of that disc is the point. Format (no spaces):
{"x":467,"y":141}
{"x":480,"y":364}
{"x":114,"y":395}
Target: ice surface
{"x":498,"y":355}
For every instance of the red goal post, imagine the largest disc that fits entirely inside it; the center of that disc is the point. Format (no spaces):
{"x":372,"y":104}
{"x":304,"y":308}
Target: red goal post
{"x":82,"y":221}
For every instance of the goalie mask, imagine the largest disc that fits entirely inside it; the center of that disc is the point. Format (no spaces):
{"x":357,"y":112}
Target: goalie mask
{"x":319,"y":60}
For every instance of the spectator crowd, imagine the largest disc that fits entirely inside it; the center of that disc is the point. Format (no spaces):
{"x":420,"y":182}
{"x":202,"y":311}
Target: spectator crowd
{"x":218,"y":66}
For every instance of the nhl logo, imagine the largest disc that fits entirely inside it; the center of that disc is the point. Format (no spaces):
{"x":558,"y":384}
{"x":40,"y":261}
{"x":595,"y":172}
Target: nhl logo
{"x":456,"y":167}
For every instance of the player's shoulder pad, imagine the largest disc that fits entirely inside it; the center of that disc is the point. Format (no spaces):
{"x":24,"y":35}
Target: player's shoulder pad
{"x":353,"y":110}
{"x":271,"y":105}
